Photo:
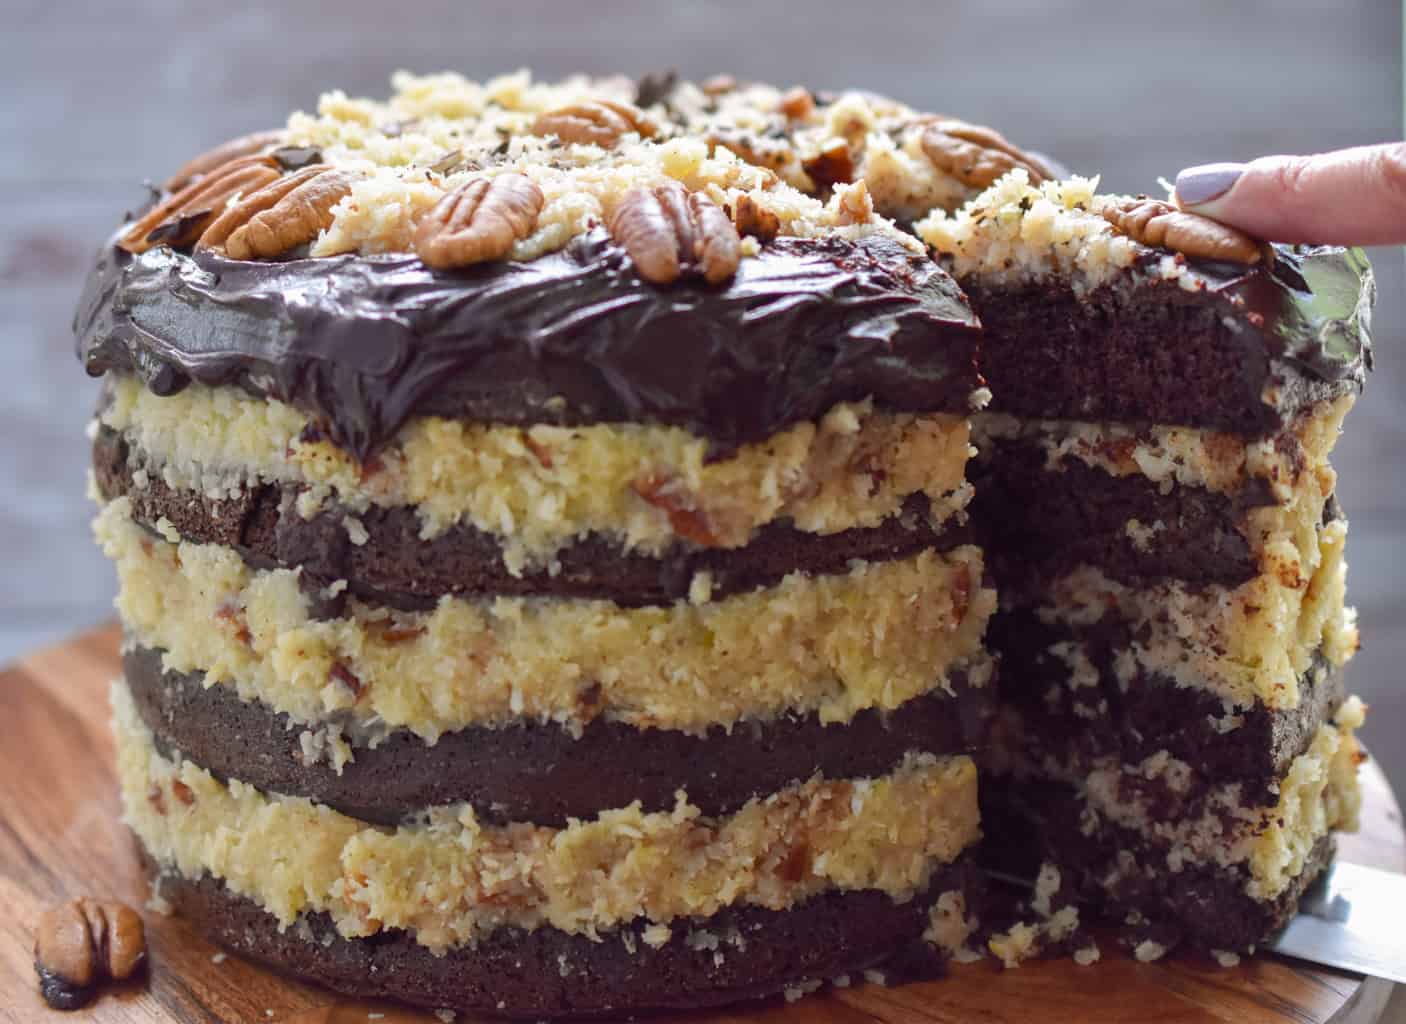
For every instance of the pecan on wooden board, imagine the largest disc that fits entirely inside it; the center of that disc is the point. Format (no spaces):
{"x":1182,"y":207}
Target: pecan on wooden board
{"x":1161,"y":225}
{"x":598,"y":122}
{"x":668,"y":231}
{"x":183,"y":216}
{"x":82,"y":943}
{"x":280,"y":216}
{"x":480,"y":220}
{"x":975,"y":155}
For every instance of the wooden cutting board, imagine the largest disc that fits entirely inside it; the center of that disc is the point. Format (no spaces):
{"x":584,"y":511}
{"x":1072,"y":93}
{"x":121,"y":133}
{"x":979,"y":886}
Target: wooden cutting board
{"x":60,"y":838}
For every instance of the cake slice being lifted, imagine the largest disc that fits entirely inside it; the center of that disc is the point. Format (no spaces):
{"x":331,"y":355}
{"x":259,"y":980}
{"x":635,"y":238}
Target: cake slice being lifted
{"x":1155,"y":497}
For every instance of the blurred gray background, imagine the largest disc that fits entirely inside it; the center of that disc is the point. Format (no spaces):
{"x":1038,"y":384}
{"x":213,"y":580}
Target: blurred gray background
{"x":98,"y":97}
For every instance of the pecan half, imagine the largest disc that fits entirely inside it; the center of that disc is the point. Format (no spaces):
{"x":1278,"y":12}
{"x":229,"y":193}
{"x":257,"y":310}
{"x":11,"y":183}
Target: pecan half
{"x":668,"y":230}
{"x":976,"y":155}
{"x":480,"y":220}
{"x":594,"y":121}
{"x":82,"y":943}
{"x":750,"y":218}
{"x":281,"y":215}
{"x":1155,"y":223}
{"x":182,"y":217}
{"x":245,"y":145}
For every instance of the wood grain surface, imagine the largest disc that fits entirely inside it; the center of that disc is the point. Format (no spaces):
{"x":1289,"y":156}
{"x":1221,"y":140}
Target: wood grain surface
{"x":60,"y":838}
{"x":95,"y":97}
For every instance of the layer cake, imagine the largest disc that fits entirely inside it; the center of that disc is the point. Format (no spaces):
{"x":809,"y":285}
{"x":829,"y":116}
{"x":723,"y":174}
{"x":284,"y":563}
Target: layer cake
{"x":555,"y":581}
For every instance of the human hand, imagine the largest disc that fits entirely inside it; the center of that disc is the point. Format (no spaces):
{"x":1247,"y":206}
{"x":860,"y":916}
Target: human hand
{"x":1348,"y":197}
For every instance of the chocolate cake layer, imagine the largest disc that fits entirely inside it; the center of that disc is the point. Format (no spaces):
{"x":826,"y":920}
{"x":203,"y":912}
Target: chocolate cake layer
{"x":1057,"y":520}
{"x":395,"y":567}
{"x":1151,"y":713}
{"x":737,"y":954}
{"x":1243,"y":351}
{"x":539,"y":772}
{"x":576,"y":336}
{"x":1203,"y":905}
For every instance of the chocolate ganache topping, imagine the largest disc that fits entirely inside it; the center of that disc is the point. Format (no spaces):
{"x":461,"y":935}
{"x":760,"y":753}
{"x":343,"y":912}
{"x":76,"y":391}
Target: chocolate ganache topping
{"x":1308,"y":307}
{"x":363,"y":343}
{"x":1316,"y":302}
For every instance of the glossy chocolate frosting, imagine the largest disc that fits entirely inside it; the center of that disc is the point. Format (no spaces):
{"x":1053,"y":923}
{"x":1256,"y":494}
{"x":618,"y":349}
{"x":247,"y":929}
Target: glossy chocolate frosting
{"x":1309,"y":307}
{"x":362,"y":343}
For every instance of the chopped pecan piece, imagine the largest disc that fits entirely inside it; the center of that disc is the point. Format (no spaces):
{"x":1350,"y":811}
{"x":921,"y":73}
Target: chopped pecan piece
{"x":961,"y":595}
{"x":797,"y":104}
{"x":180,"y":218}
{"x":225,"y":152}
{"x":668,"y":230}
{"x":589,"y":703}
{"x":796,"y":864}
{"x":450,"y":162}
{"x":655,"y":87}
{"x":480,"y":220}
{"x":751,"y":218}
{"x":348,"y":678}
{"x":393,"y":634}
{"x":719,"y":85}
{"x":771,"y":153}
{"x":599,"y":122}
{"x":280,"y":216}
{"x":82,"y":943}
{"x":540,"y":451}
{"x":856,"y":205}
{"x":685,"y":520}
{"x":1155,"y":223}
{"x":833,"y":165}
{"x":976,"y":155}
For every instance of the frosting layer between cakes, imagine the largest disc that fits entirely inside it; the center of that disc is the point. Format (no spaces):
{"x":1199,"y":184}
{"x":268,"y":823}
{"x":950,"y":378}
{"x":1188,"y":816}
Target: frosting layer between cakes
{"x":876,"y":636}
{"x":452,"y":879}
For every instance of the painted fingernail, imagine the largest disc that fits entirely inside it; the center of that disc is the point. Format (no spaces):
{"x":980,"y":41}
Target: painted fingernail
{"x":1197,"y":185}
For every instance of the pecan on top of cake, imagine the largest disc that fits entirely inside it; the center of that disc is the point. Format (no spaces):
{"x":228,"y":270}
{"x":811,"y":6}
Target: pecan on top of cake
{"x":789,"y":159}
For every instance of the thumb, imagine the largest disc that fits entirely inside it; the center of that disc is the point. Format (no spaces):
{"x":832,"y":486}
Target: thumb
{"x":1348,"y":197}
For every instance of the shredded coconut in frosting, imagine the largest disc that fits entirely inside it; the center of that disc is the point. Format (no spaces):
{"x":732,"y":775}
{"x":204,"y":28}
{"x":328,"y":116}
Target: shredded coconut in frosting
{"x":437,"y":131}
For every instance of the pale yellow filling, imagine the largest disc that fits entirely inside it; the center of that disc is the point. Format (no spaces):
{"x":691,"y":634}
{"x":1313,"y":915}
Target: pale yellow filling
{"x":451,"y":879}
{"x":1171,"y":456}
{"x":876,"y":636}
{"x":539,"y":488}
{"x":1246,"y":643}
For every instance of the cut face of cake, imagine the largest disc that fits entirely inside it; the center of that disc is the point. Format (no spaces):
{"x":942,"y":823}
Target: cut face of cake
{"x":1155,"y":497}
{"x":556,"y":578}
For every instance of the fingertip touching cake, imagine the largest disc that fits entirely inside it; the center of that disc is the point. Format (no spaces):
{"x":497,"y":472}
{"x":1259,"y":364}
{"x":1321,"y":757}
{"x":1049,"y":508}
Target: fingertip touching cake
{"x":557,"y":528}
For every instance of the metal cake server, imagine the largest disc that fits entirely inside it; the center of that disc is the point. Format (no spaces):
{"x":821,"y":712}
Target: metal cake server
{"x":1351,"y":918}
